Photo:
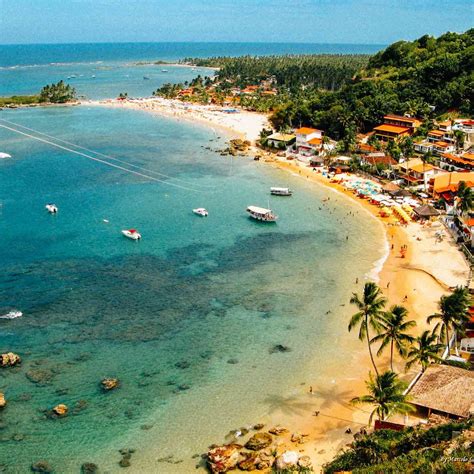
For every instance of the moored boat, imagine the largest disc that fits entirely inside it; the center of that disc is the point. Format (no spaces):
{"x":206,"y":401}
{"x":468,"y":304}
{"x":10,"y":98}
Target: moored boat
{"x":281,"y":191}
{"x":261,"y":214}
{"x":51,"y":208}
{"x":200,"y":211}
{"x":132,"y":234}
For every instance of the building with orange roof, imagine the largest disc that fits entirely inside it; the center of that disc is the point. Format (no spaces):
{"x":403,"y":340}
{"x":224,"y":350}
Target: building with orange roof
{"x":387,"y":132}
{"x":446,"y":184}
{"x":309,"y":141}
{"x":415,"y":173}
{"x":443,"y":147}
{"x":402,"y":121}
{"x":452,"y":162}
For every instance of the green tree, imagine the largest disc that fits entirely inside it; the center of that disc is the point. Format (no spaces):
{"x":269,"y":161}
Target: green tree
{"x":59,"y":93}
{"x":393,"y":327}
{"x":370,"y":307}
{"x":424,"y":351}
{"x":459,"y":137}
{"x":386,"y":392}
{"x":453,"y":313}
{"x":465,"y":201}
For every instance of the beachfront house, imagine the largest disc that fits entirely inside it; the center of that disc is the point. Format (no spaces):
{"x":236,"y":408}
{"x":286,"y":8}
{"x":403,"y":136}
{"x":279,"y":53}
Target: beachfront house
{"x":281,"y":141}
{"x":444,"y":390}
{"x":309,"y":141}
{"x":416,"y":173}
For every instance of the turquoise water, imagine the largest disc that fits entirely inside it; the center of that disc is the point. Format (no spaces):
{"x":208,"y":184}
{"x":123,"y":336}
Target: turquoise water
{"x":187,"y":317}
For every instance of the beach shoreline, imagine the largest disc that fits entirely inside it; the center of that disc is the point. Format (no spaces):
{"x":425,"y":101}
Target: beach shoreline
{"x":417,"y":280}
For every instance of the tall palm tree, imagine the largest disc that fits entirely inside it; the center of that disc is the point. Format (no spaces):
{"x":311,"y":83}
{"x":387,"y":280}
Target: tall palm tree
{"x":453,"y":312}
{"x":425,"y":351}
{"x":393,"y":327}
{"x":370,"y":306}
{"x":386,"y":392}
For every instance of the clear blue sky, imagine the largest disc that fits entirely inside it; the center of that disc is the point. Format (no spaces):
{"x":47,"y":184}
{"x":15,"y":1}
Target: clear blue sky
{"x":318,"y":21}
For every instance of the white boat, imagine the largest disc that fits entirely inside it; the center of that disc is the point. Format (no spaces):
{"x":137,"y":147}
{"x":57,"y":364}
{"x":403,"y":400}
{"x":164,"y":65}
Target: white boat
{"x":200,"y":211}
{"x":5,"y":155}
{"x":261,"y":214}
{"x":12,"y":315}
{"x":132,"y":234}
{"x":51,"y":208}
{"x":281,"y":191}
{"x":164,"y":70}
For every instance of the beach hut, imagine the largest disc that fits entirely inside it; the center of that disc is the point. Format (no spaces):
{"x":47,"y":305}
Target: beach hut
{"x":445,"y":390}
{"x":426,"y":211}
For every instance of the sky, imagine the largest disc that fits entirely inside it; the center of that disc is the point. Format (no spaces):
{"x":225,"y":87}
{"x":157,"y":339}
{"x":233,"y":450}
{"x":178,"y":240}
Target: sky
{"x":306,"y":21}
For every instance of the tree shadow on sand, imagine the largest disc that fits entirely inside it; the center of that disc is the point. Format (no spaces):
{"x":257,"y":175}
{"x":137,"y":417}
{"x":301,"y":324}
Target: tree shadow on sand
{"x":333,"y":395}
{"x":293,"y":405}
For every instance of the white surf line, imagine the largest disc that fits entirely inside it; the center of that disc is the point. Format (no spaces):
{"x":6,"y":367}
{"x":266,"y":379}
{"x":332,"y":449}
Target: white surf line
{"x":104,"y":155}
{"x":85,"y":155}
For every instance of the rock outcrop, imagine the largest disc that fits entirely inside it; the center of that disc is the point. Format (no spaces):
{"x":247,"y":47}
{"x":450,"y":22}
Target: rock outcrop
{"x":42,"y":466}
{"x":108,"y":384}
{"x":259,"y":441}
{"x":89,"y":468}
{"x":9,"y":359}
{"x":224,"y":458}
{"x":3,"y":402}
{"x":287,"y":461}
{"x":60,"y":410}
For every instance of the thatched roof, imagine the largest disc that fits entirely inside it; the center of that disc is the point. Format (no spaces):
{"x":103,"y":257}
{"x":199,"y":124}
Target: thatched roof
{"x":426,"y":211}
{"x":390,"y":187}
{"x":401,"y":193}
{"x":446,"y":389}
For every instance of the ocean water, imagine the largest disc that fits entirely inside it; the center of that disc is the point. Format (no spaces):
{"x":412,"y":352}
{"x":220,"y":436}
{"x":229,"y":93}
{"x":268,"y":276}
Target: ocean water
{"x":186,"y":318}
{"x":100,"y":71}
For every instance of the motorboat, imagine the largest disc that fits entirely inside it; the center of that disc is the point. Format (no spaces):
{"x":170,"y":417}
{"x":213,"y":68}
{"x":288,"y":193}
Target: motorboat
{"x":200,"y":211}
{"x":164,"y":70}
{"x":261,"y":214}
{"x":4,"y":155}
{"x":281,"y":191}
{"x":51,"y":208}
{"x":12,"y":315}
{"x":146,"y":78}
{"x":132,"y":234}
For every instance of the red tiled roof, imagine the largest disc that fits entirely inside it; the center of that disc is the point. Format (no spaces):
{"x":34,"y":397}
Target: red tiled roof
{"x":306,"y":130}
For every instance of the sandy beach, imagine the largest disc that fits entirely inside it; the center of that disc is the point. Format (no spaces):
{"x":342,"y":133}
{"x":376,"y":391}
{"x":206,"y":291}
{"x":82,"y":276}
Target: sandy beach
{"x":243,"y":124}
{"x":417,"y":281}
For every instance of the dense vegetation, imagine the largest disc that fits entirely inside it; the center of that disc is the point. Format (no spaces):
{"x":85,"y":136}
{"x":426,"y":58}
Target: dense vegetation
{"x":290,"y":72}
{"x":19,"y":100}
{"x":411,"y":450}
{"x":59,"y":93}
{"x":344,"y":95}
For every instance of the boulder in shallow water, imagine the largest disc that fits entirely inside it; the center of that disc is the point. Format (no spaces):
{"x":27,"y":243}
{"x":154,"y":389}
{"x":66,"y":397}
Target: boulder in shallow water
{"x":286,"y":461}
{"x":89,"y":468}
{"x":9,"y":359}
{"x":3,"y":402}
{"x":42,"y":466}
{"x":259,"y":441}
{"x":224,"y":458}
{"x":109,"y":383}
{"x":278,"y":430}
{"x":60,"y":410}
{"x":279,"y":348}
{"x":40,"y":376}
{"x":250,"y":463}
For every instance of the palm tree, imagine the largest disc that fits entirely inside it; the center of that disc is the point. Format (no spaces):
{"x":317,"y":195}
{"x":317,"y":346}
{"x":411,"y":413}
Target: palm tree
{"x":426,"y":158}
{"x":393,"y":325}
{"x":386,"y":392}
{"x":370,"y":307}
{"x":465,"y":198}
{"x":425,"y":351}
{"x":453,"y":312}
{"x":459,"y":138}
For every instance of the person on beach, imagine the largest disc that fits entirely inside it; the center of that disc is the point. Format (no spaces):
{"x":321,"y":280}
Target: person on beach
{"x":311,"y":389}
